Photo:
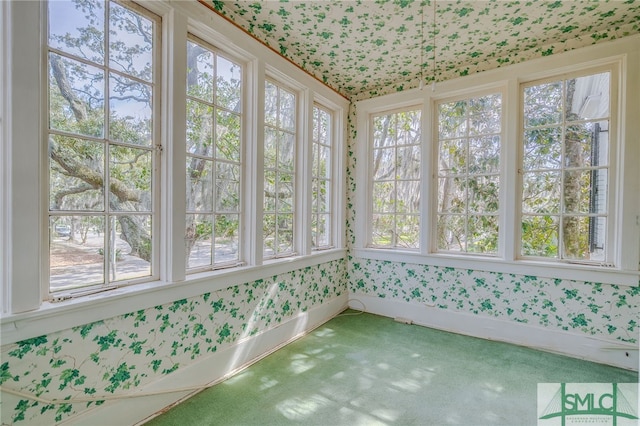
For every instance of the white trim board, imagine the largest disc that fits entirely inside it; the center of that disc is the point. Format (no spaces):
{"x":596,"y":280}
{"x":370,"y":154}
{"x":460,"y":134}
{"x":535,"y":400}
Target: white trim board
{"x":207,"y":371}
{"x":617,"y":354}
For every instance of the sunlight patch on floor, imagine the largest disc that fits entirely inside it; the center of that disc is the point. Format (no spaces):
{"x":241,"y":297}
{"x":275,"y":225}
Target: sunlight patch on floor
{"x":298,"y":409}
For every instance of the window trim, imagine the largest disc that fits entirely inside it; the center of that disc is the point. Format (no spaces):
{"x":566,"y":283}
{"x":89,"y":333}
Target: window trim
{"x":509,"y":79}
{"x":331,"y":179}
{"x":155,"y":150}
{"x":612,"y":245}
{"x":500,"y":89}
{"x":242,"y":215}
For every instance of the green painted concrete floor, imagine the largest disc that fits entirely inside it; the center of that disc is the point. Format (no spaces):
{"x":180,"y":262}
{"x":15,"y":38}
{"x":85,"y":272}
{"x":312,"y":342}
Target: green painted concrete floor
{"x":370,"y":370}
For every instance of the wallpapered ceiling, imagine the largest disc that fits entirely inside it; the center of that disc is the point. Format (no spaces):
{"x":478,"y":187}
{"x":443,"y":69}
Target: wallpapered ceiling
{"x":373,"y":47}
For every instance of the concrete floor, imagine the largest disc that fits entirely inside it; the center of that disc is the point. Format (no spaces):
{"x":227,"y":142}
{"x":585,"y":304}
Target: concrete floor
{"x":369,"y":370}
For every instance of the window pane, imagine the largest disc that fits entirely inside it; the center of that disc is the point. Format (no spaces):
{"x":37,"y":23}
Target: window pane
{"x":585,"y":145}
{"x":576,"y":237}
{"x":408,"y":228}
{"x":76,"y":249}
{"x":585,"y":191}
{"x":485,"y":115}
{"x":484,"y":155}
{"x":76,"y":97}
{"x":483,"y":194}
{"x":269,"y":235}
{"x":285,"y":233}
{"x":227,"y":238}
{"x":130,"y":108}
{"x":270,"y":194}
{"x":588,"y":97}
{"x":199,"y":229}
{"x":227,"y":136}
{"x":324,"y":166}
{"x":130,"y":179}
{"x":130,"y":42}
{"x":76,"y":174}
{"x":451,"y":195}
{"x":383,"y":230}
{"x":199,"y":128}
{"x":453,"y":157}
{"x":542,"y":148}
{"x":270,"y":104}
{"x":540,"y":236}
{"x":78,"y":28}
{"x":200,"y":72}
{"x":199,"y":185}
{"x":130,"y":247}
{"x":228,"y":188}
{"x":451,"y":233}
{"x":270,"y":147}
{"x":541,"y":192}
{"x":408,"y":162}
{"x":287,"y":110}
{"x":383,"y":197}
{"x":408,"y":199}
{"x":483,"y":234}
{"x":385,"y":132}
{"x":284,"y":200}
{"x":452,"y":121}
{"x":229,"y":85}
{"x":384,"y":164}
{"x":543,"y":104}
{"x":286,"y":150}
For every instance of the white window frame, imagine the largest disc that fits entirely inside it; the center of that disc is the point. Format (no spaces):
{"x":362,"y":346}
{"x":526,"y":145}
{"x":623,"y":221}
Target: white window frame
{"x":371,"y":181}
{"x":191,"y":37}
{"x":156,"y":160}
{"x":624,"y":215}
{"x":26,"y":312}
{"x":330,"y":179}
{"x":300,"y":179}
{"x":613,"y":68}
{"x":437,"y":101}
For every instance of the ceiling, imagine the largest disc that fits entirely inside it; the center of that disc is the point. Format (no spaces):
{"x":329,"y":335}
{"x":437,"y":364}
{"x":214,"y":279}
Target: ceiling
{"x":369,"y":48}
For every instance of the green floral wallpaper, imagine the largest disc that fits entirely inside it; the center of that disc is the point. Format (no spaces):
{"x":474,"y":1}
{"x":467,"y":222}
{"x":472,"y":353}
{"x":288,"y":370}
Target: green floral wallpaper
{"x":368,"y":48}
{"x":607,"y":311}
{"x":119,"y":354}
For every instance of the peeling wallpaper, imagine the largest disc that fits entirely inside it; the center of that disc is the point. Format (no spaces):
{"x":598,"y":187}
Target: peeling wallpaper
{"x":369,"y":48}
{"x":120,"y":354}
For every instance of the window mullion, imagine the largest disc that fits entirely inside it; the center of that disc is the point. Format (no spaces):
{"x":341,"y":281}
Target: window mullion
{"x":173,"y":158}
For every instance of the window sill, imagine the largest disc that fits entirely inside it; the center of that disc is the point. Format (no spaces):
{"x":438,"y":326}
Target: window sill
{"x":594,"y":274}
{"x":52,"y":317}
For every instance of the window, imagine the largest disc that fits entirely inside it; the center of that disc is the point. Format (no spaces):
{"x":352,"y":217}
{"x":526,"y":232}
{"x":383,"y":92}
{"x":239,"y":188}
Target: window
{"x":102,"y":139}
{"x":214,"y":167}
{"x":321,"y":181}
{"x":279,"y":171}
{"x":396,"y":180}
{"x":469,"y":134}
{"x":565,"y":173}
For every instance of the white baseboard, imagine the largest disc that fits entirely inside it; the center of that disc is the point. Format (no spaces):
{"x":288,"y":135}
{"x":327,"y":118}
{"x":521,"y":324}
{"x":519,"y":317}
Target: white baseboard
{"x":575,"y":345}
{"x":209,"y":370}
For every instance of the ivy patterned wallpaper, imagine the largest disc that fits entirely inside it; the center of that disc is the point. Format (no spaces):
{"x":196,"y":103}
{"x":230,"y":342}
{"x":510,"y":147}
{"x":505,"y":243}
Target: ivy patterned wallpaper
{"x":119,"y":354}
{"x":368,"y":48}
{"x":602,"y":310}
